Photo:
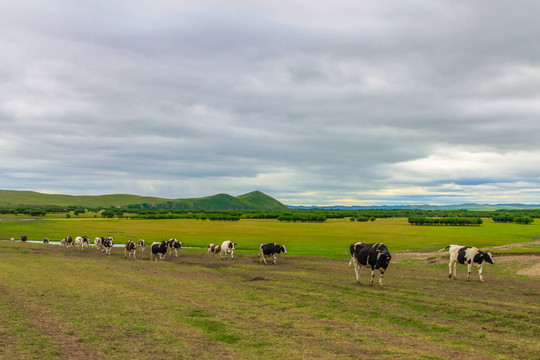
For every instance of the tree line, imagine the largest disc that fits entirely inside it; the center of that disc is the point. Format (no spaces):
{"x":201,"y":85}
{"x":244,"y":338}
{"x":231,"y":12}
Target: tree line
{"x":417,"y":217}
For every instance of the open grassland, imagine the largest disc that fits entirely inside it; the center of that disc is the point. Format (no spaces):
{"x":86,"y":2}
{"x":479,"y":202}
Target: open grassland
{"x":331,"y":238}
{"x":63,"y":303}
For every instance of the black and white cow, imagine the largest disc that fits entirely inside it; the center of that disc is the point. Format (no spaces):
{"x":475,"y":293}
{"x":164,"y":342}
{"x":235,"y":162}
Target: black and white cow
{"x":374,"y":256}
{"x":107,"y":244}
{"x":67,"y":241}
{"x":469,"y":256}
{"x":130,"y":249}
{"x":46,"y":240}
{"x":158,"y":248}
{"x":174,"y":245}
{"x":81,"y":241}
{"x":271,"y":250}
{"x":24,"y":238}
{"x":214,"y":249}
{"x":227,"y":247}
{"x":142,"y":244}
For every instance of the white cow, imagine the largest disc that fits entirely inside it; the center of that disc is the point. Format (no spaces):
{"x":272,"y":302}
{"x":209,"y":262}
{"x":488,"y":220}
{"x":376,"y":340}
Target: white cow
{"x":470,"y":256}
{"x":98,"y":241}
{"x":227,"y":247}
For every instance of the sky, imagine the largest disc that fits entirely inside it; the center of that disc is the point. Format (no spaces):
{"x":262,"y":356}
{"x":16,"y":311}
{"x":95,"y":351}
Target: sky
{"x":311,"y":102}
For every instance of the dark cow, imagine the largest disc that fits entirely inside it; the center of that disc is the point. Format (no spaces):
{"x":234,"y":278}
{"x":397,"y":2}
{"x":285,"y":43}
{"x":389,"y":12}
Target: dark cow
{"x":158,"y":248}
{"x":470,"y":256}
{"x":271,"y":250}
{"x":174,"y":245}
{"x":142,"y":244}
{"x":46,"y":240}
{"x":24,"y":238}
{"x":130,"y":249}
{"x":107,"y":244}
{"x":374,"y":256}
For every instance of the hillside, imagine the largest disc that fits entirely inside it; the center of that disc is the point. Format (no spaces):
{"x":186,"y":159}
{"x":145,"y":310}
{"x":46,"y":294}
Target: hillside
{"x":255,"y":200}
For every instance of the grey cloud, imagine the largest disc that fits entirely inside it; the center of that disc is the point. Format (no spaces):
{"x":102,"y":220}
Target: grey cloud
{"x":308,"y":103}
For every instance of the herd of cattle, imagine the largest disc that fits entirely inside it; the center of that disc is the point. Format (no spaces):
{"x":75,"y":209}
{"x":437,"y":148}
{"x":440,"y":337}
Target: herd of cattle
{"x":373,"y":256}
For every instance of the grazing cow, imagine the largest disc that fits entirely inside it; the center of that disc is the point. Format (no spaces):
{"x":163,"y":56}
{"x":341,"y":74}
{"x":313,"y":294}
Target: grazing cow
{"x":374,"y":256}
{"x":24,"y":238}
{"x":46,"y":240}
{"x":142,"y":244}
{"x":227,"y":248}
{"x":158,"y":248}
{"x":107,"y":244}
{"x":271,"y":249}
{"x":98,"y":241}
{"x":173,"y":246}
{"x":467,"y":255}
{"x":130,"y":249}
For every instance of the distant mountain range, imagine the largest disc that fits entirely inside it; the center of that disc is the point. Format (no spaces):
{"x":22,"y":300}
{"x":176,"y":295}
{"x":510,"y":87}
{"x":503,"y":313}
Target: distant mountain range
{"x":255,"y":200}
{"x":469,"y":206}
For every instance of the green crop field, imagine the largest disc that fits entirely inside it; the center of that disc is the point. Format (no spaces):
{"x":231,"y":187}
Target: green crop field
{"x":331,"y":238}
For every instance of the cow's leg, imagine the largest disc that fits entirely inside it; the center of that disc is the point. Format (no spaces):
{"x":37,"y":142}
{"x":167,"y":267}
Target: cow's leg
{"x":125,"y":253}
{"x":275,"y":258}
{"x":134,"y":254}
{"x":356,"y":270}
{"x":380,"y":279}
{"x":263,"y":258}
{"x":468,"y":272}
{"x":372,"y":276}
{"x":480,"y":272}
{"x":450,"y":269}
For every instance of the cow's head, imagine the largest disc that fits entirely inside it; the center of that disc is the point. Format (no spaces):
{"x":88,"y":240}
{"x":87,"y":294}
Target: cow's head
{"x":488,"y":256}
{"x":283,"y":249}
{"x":383,"y":259}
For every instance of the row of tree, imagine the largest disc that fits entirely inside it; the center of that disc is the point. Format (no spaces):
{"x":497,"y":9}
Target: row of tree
{"x":522,"y":216}
{"x":447,"y":221}
{"x":508,"y":218}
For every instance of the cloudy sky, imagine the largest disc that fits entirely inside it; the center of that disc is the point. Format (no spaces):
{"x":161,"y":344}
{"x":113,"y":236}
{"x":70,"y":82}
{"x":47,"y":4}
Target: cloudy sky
{"x":312,"y":102}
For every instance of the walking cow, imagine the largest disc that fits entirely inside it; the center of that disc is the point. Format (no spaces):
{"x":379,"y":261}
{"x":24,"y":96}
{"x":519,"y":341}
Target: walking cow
{"x":107,"y":244}
{"x":142,"y":244}
{"x":174,"y":245}
{"x":271,"y":249}
{"x":158,"y":248}
{"x":467,"y":255}
{"x":227,"y":247}
{"x":46,"y":240}
{"x":130,"y":249}
{"x":374,"y":256}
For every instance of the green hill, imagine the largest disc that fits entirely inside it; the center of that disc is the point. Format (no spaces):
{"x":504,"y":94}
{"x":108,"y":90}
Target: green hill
{"x":255,"y":200}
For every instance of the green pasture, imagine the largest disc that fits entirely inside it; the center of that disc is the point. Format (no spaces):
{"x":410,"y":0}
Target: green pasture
{"x":331,"y":238}
{"x":60,"y":303}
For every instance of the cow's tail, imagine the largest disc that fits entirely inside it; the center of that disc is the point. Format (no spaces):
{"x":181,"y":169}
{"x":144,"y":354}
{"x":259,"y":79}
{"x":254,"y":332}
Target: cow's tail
{"x":443,"y":249}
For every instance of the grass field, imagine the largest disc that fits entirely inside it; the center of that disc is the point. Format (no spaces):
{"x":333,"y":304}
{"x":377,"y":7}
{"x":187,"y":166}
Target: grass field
{"x":331,"y":238}
{"x":63,"y":303}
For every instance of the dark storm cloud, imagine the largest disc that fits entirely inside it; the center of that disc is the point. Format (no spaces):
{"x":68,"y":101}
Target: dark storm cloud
{"x":314,"y":103}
